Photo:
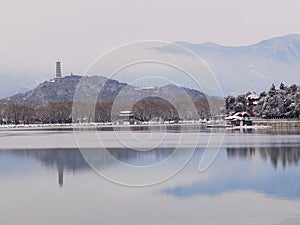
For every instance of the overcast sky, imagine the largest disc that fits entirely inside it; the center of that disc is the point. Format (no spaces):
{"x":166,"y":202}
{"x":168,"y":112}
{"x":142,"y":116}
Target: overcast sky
{"x":34,"y":33}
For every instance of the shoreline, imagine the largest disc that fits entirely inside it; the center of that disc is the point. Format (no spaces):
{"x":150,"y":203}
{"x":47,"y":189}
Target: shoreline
{"x":277,"y":123}
{"x":102,"y":127}
{"x":272,"y":123}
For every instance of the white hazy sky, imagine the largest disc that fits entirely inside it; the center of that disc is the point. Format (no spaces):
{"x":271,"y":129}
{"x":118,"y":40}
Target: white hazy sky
{"x":34,"y":33}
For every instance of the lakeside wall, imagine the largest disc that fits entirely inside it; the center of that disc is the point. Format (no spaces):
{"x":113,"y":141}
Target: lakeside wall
{"x":277,"y":123}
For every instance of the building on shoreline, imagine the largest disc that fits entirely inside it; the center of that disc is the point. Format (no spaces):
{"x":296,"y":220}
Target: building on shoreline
{"x":125,"y":118}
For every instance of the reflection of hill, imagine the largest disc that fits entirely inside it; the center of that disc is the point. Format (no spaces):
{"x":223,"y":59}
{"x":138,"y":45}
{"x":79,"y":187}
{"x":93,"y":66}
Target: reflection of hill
{"x":287,"y":156}
{"x":61,"y":159}
{"x":72,"y":160}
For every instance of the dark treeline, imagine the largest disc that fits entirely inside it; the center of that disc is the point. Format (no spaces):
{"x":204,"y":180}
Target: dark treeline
{"x":286,"y":156}
{"x":149,"y":108}
{"x":283,"y":102}
{"x":53,"y":112}
{"x":21,"y":113}
{"x":61,"y":112}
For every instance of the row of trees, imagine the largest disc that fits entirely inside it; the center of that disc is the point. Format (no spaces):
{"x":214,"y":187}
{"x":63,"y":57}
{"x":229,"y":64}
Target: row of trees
{"x":21,"y":113}
{"x":61,"y":112}
{"x":283,"y":102}
{"x":13,"y":113}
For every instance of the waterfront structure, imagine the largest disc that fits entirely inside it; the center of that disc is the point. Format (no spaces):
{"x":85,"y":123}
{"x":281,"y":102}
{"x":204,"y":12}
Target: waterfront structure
{"x":239,"y":119}
{"x":253,"y":99}
{"x":125,"y":117}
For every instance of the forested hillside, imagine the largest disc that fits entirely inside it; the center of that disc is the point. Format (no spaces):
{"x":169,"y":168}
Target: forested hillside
{"x":281,"y":102}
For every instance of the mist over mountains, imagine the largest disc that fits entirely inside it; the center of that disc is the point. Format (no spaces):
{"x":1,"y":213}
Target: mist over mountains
{"x":254,"y":67}
{"x":11,"y":85}
{"x":237,"y":69}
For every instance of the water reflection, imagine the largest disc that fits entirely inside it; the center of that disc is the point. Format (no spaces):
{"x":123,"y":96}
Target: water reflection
{"x":140,"y":157}
{"x":286,"y":156}
{"x":70,"y":160}
{"x":249,"y":169}
{"x":255,"y":169}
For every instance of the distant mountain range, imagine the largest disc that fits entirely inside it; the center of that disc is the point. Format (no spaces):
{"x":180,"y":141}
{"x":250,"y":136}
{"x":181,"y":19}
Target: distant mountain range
{"x":11,"y":85}
{"x":254,"y":67}
{"x":237,"y":69}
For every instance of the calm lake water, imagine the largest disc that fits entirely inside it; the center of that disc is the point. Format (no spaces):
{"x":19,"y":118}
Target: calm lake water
{"x":254,"y":179}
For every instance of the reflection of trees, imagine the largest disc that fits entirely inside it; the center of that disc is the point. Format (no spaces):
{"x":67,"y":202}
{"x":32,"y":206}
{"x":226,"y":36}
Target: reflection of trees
{"x":224,"y":177}
{"x":240,"y":152}
{"x":287,"y":156}
{"x":141,"y":158}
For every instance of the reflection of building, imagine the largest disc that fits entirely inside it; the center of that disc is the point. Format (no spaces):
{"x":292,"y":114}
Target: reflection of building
{"x":60,"y":169}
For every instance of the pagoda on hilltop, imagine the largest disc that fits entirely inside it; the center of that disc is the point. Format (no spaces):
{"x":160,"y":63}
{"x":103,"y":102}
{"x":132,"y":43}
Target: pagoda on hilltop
{"x":58,"y":70}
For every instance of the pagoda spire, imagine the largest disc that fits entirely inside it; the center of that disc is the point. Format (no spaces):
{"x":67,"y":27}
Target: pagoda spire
{"x":58,"y":69}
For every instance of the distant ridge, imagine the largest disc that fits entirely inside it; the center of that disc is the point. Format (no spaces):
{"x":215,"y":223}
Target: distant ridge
{"x":253,"y":67}
{"x":280,"y":48}
{"x":238,"y":69}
